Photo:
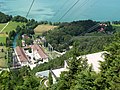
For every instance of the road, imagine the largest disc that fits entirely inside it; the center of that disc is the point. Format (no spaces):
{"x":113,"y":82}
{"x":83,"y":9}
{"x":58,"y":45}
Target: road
{"x":4,"y":27}
{"x":45,"y":83}
{"x":4,"y":69}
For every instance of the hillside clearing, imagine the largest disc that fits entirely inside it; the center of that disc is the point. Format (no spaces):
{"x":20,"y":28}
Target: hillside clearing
{"x":42,"y":28}
{"x":12,"y":26}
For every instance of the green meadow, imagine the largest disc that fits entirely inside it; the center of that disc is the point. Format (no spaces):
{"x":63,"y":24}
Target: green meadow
{"x":12,"y":26}
{"x":2,"y":39}
{"x":117,"y":27}
{"x":2,"y":26}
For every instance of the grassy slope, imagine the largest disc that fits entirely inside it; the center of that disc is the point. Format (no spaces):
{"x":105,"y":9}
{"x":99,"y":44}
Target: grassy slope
{"x":42,"y":28}
{"x":12,"y":26}
{"x":2,"y":25}
{"x":117,"y":27}
{"x":2,"y":39}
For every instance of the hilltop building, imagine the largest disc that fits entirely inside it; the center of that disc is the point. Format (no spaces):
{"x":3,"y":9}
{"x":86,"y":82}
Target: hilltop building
{"x":92,"y":59}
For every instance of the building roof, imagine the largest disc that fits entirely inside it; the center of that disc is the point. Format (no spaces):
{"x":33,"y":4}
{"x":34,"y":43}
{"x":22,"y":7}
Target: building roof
{"x":94,"y":59}
{"x":43,"y":73}
{"x":40,"y":51}
{"x":21,"y":54}
{"x":57,"y":72}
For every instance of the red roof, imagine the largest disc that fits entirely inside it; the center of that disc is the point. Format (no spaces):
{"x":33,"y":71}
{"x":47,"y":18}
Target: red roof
{"x":40,"y":51}
{"x":21,"y":54}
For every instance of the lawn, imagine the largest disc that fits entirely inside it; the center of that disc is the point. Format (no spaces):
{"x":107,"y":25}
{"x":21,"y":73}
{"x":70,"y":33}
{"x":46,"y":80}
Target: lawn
{"x":2,"y":39}
{"x":2,"y":25}
{"x":12,"y":26}
{"x":42,"y":28}
{"x":3,"y":61}
{"x":117,"y":27}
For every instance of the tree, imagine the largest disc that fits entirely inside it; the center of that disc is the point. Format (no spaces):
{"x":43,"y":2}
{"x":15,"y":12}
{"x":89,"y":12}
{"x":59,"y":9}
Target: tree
{"x":19,"y":19}
{"x":4,"y":18}
{"x":50,"y":78}
{"x":12,"y":34}
{"x":31,"y":83}
{"x":79,"y":77}
{"x":109,"y":78}
{"x":28,"y":41}
{"x":18,"y":29}
{"x":67,"y":33}
{"x":30,"y":51}
{"x":4,"y":80}
{"x":5,"y":57}
{"x":2,"y":50}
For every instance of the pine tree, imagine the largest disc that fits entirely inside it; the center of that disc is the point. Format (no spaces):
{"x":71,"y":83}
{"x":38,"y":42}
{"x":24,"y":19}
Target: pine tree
{"x":109,"y":78}
{"x":50,"y":79}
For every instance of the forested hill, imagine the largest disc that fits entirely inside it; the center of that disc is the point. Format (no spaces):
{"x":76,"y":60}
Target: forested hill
{"x":4,"y":18}
{"x":61,"y":37}
{"x":81,"y":76}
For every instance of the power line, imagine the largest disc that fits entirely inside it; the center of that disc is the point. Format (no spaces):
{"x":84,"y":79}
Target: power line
{"x":82,"y":5}
{"x":30,"y":8}
{"x":69,"y":10}
{"x":85,"y":9}
{"x":92,"y":28}
{"x":58,"y":11}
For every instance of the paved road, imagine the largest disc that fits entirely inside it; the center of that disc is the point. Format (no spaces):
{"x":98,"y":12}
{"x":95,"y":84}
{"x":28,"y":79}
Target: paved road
{"x":45,"y":83}
{"x":4,"y":69}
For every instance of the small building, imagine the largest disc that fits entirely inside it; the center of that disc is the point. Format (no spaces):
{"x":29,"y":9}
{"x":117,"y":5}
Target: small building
{"x":38,"y":41}
{"x":23,"y":43}
{"x":39,"y":53}
{"x":21,"y":56}
{"x":25,"y":36}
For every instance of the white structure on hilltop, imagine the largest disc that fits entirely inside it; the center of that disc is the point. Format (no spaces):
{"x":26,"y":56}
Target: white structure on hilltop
{"x":94,"y":59}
